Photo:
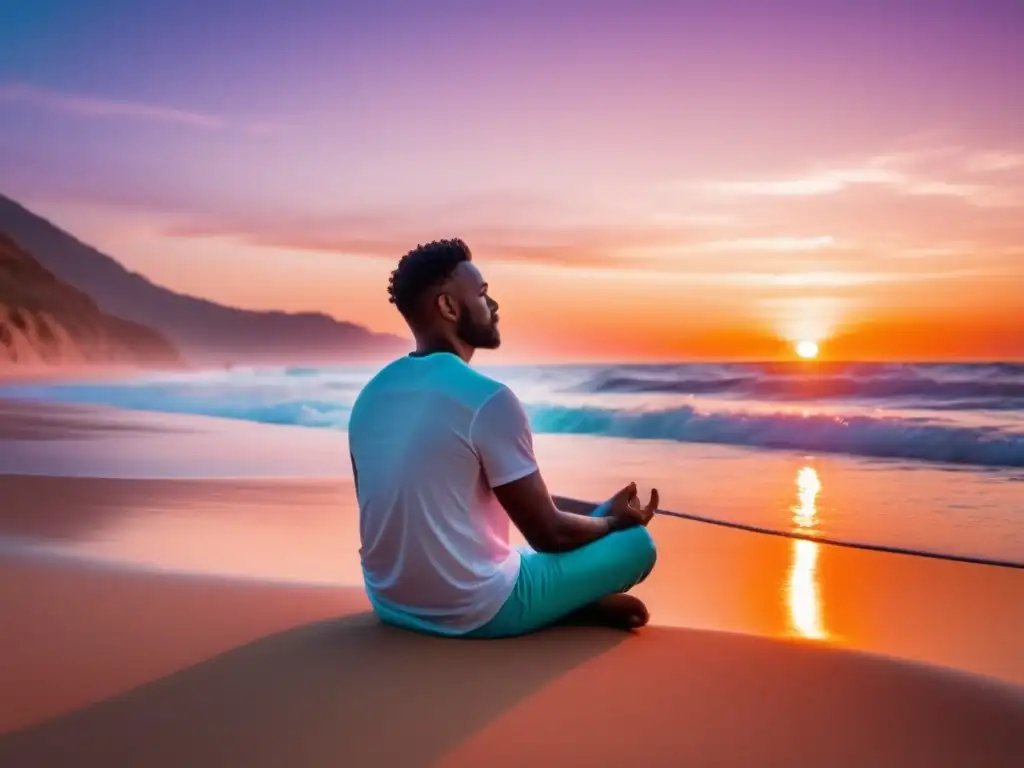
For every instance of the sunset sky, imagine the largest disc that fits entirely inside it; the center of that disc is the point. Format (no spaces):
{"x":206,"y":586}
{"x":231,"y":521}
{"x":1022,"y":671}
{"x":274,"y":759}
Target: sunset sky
{"x":716,"y":180}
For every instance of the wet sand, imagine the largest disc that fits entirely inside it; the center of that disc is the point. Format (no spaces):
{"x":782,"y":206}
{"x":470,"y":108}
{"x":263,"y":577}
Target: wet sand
{"x":218,"y":620}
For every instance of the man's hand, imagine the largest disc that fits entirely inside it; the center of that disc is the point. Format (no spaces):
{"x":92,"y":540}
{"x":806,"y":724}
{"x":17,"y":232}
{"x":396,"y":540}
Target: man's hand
{"x":626,"y":509}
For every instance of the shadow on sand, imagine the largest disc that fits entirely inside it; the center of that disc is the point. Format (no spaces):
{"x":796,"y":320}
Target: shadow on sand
{"x":344,"y":692}
{"x":351,"y":692}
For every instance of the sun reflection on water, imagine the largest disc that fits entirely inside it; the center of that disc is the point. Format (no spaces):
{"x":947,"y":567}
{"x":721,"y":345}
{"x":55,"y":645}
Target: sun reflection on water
{"x":805,"y":511}
{"x":803,"y":595}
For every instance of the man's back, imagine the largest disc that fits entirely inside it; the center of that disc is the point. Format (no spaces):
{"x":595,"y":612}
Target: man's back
{"x":429,"y":438}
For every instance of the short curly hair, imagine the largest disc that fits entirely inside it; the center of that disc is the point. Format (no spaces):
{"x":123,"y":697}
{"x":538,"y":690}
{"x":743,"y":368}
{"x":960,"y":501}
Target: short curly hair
{"x":422,"y":268}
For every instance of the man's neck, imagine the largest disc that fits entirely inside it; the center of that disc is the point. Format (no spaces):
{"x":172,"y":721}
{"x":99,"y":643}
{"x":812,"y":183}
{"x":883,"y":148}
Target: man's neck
{"x":430,"y":346}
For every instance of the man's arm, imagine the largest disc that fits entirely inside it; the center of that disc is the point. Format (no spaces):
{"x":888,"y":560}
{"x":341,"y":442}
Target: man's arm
{"x":545,"y":527}
{"x":502,"y":438}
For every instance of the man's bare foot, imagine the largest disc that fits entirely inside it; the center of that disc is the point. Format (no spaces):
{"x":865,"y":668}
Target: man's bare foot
{"x":620,"y":611}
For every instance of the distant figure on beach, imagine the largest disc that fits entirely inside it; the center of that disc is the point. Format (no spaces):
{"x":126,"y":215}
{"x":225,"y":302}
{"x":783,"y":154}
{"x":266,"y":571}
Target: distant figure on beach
{"x":443,"y":460}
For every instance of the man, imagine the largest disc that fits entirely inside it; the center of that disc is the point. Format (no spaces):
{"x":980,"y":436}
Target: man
{"x":443,"y":460}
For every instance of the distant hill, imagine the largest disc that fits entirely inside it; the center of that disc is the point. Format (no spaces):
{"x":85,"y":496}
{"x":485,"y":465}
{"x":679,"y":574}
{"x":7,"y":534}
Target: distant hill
{"x":45,"y":322}
{"x":205,"y":331}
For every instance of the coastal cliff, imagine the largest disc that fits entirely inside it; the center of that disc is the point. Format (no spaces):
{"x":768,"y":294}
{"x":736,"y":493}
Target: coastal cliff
{"x":44,"y":322}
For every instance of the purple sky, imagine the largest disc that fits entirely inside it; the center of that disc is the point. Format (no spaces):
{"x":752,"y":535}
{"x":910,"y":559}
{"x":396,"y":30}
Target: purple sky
{"x":795,"y":157}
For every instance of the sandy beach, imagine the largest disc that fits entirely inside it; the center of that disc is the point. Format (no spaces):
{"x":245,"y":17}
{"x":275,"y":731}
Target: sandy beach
{"x":185,"y":591}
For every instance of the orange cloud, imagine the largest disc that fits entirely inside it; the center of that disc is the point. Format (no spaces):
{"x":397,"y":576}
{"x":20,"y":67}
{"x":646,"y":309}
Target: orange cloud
{"x":384,"y":236}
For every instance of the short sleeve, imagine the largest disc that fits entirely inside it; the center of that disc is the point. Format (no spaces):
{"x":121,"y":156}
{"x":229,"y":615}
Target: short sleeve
{"x":503,"y":440}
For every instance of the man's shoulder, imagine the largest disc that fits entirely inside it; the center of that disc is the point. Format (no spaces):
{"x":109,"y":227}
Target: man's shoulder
{"x":379,"y":381}
{"x":382,"y":375}
{"x":447,"y":376}
{"x":478,"y":380}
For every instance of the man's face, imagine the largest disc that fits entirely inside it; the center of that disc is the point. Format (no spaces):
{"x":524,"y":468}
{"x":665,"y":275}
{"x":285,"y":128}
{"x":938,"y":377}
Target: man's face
{"x":477,"y":320}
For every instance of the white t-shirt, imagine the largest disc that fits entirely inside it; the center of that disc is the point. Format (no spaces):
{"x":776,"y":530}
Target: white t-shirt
{"x":430,"y":438}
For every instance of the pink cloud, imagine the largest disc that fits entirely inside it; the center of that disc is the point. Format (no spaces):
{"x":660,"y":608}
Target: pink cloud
{"x":984,"y":162}
{"x":95,"y":107}
{"x":935,"y":172}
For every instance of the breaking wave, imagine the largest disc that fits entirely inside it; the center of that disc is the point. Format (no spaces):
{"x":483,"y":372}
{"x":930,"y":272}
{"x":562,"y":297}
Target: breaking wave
{"x":861,"y":435}
{"x":993,"y":386}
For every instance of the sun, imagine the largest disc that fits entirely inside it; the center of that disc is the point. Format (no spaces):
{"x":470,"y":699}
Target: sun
{"x":808,"y":350}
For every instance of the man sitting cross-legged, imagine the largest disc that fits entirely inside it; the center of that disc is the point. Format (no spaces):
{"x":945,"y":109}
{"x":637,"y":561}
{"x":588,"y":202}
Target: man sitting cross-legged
{"x":443,"y":460}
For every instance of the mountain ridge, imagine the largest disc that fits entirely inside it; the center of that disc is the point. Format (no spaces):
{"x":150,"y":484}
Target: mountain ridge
{"x":204,"y":330}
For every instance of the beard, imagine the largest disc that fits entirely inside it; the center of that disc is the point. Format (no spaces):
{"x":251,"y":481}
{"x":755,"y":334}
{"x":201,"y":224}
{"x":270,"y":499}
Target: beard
{"x":477,"y":335}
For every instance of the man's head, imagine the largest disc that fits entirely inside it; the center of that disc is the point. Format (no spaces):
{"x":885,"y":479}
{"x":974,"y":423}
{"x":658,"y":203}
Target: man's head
{"x":442,"y":295}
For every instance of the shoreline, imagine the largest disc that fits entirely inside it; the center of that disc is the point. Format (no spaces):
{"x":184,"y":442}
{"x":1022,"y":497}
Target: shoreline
{"x":50,"y":416}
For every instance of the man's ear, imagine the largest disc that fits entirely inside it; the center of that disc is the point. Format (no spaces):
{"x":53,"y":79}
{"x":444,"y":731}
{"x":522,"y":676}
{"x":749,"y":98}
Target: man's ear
{"x":447,"y":307}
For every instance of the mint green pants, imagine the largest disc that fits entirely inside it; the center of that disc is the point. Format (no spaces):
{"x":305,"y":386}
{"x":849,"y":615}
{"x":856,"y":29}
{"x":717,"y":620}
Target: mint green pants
{"x":551,"y":586}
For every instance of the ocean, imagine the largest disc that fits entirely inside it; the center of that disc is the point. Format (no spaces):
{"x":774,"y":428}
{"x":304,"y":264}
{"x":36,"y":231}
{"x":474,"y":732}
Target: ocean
{"x":926,"y":457}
